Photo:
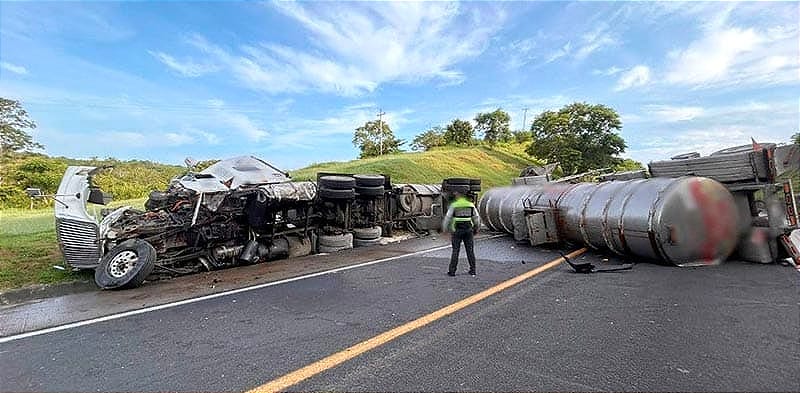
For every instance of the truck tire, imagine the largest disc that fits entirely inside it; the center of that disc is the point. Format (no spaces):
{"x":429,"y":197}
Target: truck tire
{"x":366,"y":242}
{"x":336,"y":241}
{"x":369,"y":180}
{"x":337,"y":182}
{"x":367,"y":233}
{"x":371,"y":191}
{"x":460,"y":188}
{"x":330,"y":250}
{"x":126,"y":265}
{"x":456,"y":180}
{"x":474,"y":182}
{"x":328,"y":193}
{"x":475,"y":187}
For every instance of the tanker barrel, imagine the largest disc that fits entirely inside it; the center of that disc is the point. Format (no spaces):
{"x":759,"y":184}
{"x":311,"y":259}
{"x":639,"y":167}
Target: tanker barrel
{"x":682,"y":221}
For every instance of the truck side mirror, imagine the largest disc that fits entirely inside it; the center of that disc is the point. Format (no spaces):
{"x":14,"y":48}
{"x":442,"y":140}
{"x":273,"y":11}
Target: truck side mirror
{"x":98,"y":197}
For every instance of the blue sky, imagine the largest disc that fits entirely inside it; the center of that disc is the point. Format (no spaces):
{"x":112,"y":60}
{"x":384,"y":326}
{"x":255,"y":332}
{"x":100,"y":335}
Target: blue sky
{"x":290,"y":81}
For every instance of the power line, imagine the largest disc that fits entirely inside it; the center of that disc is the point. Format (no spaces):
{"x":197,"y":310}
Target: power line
{"x":380,"y":128}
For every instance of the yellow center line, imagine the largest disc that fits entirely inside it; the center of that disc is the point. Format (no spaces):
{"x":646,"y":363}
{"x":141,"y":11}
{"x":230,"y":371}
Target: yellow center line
{"x":299,"y":375}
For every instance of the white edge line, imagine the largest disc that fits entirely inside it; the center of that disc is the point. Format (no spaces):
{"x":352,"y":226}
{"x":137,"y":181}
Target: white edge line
{"x":214,"y":295}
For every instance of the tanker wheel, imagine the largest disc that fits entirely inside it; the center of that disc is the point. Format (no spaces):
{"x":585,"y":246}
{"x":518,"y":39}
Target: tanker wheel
{"x":336,"y":241}
{"x":126,"y":266}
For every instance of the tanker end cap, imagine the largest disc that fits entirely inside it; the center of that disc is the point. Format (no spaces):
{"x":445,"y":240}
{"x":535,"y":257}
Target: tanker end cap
{"x":695,"y":223}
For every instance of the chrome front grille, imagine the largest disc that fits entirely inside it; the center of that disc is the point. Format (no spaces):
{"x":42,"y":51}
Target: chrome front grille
{"x":79,"y":243}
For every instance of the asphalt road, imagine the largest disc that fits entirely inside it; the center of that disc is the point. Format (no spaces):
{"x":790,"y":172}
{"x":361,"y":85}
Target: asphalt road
{"x":725,"y":328}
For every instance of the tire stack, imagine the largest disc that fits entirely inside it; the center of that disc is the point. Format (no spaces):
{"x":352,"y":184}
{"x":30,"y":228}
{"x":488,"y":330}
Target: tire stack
{"x":467,"y":187}
{"x":339,"y":192}
{"x":369,"y":186}
{"x":337,"y":188}
{"x":334,"y":243}
{"x":370,"y":189}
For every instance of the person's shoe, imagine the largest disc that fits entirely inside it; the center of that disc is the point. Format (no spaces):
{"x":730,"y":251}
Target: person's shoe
{"x":471,"y":272}
{"x":451,"y":274}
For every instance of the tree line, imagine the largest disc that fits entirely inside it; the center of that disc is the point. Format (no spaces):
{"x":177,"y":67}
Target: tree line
{"x":580,"y":137}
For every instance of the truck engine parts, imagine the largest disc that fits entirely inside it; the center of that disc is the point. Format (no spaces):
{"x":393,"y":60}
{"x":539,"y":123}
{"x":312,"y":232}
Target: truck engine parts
{"x":684,"y":221}
{"x":238,"y":211}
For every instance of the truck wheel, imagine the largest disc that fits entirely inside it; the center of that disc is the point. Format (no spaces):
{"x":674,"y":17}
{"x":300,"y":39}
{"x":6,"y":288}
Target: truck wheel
{"x":337,"y":182}
{"x":371,"y":191}
{"x":366,"y":243}
{"x":369,"y":180}
{"x":126,"y":265}
{"x":367,"y":233}
{"x":336,"y":241}
{"x":456,"y":180}
{"x":327,"y":193}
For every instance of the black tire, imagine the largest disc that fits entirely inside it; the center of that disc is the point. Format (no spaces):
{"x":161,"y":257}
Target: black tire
{"x":336,"y":241}
{"x":456,"y":180}
{"x":369,"y":180}
{"x":367,"y":233}
{"x":329,"y":250}
{"x":474,"y":182}
{"x":126,"y":266}
{"x":327,"y":193}
{"x":366,"y":242}
{"x":337,"y":182}
{"x":460,"y":188}
{"x":372,"y":191}
{"x":475,"y":187}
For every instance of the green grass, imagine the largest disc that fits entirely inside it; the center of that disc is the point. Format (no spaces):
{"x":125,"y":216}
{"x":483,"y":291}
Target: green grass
{"x":29,"y":249}
{"x":28,"y":246}
{"x":495,"y":166}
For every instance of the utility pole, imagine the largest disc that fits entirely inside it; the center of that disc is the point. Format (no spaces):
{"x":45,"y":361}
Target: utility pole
{"x":524,"y":118}
{"x":380,"y":129}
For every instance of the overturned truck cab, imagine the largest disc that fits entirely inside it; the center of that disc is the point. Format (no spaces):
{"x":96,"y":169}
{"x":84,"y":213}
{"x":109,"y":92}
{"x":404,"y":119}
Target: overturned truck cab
{"x":237,"y":211}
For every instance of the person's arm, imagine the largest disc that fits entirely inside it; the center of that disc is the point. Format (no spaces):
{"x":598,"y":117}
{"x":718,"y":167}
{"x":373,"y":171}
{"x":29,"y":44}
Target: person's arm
{"x":476,"y":220}
{"x":448,"y":221}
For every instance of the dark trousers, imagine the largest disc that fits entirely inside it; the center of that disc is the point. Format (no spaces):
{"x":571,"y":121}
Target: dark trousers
{"x":463,"y":233}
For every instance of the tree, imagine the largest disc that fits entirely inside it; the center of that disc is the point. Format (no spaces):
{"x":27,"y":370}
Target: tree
{"x":494,"y":126}
{"x":459,"y":132}
{"x":628,"y":165}
{"x":796,"y":138}
{"x":374,"y":141}
{"x":14,"y":127}
{"x":579,"y":136}
{"x":429,"y":139}
{"x":521,"y":136}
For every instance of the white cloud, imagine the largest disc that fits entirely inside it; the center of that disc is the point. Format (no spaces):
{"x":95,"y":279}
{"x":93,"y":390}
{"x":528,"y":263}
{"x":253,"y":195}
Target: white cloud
{"x":730,"y":55}
{"x":176,"y":139}
{"x":709,"y":129}
{"x":611,"y":71}
{"x":594,"y":41}
{"x":17,"y":69}
{"x":187,"y":68}
{"x":634,"y":77}
{"x":667,"y":113}
{"x":357,"y":47}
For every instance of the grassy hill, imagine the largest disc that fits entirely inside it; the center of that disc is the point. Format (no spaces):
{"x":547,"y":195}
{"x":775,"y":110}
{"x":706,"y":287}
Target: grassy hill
{"x":495,"y":166}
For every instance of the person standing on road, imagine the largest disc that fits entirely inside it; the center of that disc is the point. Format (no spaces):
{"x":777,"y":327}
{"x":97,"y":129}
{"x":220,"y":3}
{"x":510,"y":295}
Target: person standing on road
{"x":463,"y":221}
